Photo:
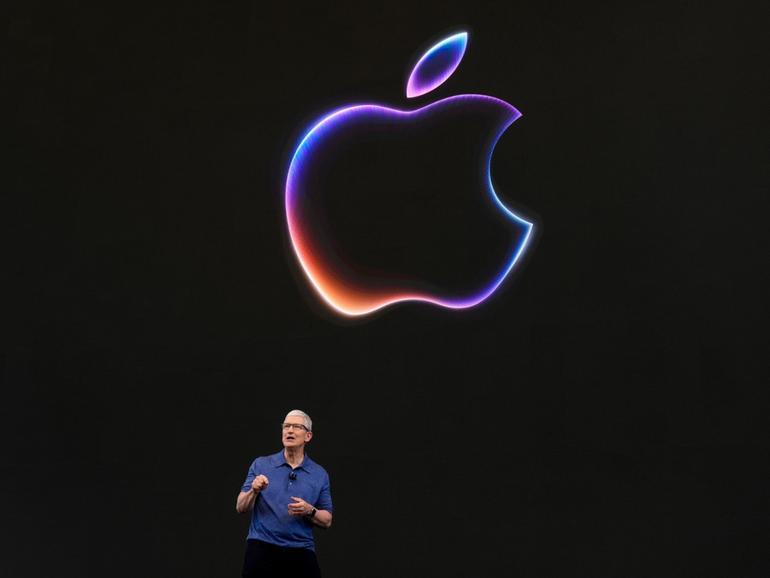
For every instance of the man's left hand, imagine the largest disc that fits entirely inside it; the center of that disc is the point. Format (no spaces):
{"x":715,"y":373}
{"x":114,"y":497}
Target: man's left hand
{"x":299,"y":507}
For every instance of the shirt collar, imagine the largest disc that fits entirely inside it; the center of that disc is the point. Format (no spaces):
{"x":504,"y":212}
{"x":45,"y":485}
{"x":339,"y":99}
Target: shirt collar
{"x":279,"y":460}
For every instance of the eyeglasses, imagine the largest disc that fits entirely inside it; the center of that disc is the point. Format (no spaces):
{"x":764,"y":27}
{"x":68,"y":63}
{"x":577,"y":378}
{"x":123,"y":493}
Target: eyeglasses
{"x":288,"y":426}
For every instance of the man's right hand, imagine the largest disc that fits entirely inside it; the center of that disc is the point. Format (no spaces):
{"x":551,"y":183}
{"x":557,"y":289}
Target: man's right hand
{"x":259,"y":483}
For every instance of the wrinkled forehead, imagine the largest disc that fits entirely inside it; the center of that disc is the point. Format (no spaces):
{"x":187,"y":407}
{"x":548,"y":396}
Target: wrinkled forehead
{"x":294,"y":419}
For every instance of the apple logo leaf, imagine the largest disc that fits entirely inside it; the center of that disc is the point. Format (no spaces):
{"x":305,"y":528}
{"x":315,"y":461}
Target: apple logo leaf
{"x":436,"y":65}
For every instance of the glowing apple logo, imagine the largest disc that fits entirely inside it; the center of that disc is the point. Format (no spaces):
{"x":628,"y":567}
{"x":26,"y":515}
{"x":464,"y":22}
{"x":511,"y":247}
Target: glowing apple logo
{"x":341,"y":287}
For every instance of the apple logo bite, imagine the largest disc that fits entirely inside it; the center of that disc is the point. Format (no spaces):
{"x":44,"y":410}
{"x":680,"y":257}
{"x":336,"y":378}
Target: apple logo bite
{"x":340,"y":136}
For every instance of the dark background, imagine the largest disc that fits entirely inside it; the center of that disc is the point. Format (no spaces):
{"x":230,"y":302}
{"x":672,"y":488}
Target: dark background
{"x":604,"y":415}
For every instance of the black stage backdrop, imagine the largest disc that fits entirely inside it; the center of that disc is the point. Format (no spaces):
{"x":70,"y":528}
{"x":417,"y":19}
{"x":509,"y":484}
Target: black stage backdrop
{"x":603,"y":415}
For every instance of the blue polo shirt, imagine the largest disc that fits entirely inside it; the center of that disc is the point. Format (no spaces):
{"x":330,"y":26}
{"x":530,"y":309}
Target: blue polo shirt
{"x":270,"y":519}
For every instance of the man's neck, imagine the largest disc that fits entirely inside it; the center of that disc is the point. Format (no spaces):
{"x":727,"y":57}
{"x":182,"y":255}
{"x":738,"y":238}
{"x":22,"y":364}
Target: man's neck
{"x":294,"y":456}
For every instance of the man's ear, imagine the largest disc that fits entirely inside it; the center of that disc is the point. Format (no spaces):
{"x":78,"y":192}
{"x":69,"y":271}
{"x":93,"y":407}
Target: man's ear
{"x":308,"y":436}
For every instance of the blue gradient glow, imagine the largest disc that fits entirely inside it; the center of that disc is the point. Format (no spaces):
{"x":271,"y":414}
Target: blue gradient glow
{"x":436,"y":65}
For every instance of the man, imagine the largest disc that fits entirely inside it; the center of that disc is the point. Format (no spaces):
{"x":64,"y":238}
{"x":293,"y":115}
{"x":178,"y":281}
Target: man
{"x":288,"y":494}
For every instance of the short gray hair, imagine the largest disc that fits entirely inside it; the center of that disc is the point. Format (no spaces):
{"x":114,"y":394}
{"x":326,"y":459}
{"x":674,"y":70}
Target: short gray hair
{"x":305,"y":417}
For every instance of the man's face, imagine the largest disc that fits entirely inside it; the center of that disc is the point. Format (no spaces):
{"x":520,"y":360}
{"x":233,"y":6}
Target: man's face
{"x":294,"y":432}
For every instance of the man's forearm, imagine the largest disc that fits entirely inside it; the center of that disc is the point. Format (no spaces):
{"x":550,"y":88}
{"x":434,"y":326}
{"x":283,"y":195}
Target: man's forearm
{"x":322,"y":518}
{"x":245,"y":501}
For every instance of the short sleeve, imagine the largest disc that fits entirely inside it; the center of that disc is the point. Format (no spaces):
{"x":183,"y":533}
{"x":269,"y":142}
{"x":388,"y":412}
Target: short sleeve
{"x":253,"y":473}
{"x":325,"y":496}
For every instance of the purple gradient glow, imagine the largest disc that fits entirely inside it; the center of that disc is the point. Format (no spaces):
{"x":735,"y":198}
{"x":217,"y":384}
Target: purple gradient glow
{"x":337,"y":292}
{"x":445,"y":56}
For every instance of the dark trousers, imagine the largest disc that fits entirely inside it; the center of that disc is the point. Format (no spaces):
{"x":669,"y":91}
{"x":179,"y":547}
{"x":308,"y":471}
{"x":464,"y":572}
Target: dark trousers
{"x":265,"y":560}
